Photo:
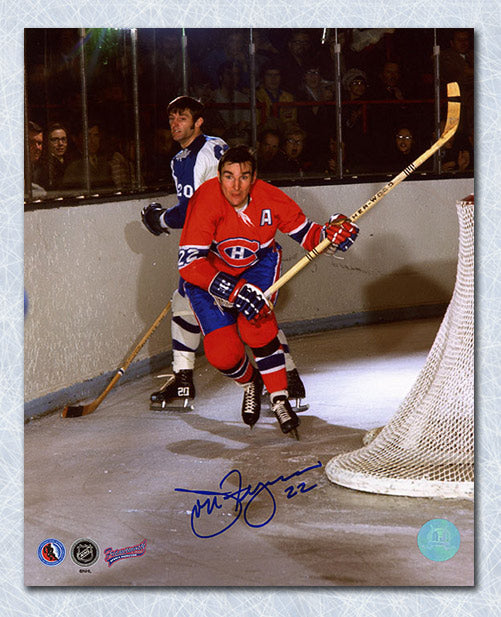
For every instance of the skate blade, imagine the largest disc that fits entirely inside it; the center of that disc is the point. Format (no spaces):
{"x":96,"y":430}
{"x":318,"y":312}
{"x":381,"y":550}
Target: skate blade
{"x":164,"y":406}
{"x":298,"y":407}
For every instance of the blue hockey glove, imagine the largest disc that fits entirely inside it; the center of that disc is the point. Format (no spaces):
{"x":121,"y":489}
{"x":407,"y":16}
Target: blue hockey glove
{"x":245,"y":297}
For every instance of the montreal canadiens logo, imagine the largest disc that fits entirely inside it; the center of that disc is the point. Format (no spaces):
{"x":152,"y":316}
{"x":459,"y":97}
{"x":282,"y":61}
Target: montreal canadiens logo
{"x":51,"y":552}
{"x":238,"y":252}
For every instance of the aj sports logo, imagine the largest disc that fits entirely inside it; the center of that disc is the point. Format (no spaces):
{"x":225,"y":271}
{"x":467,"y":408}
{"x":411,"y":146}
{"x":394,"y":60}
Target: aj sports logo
{"x":51,"y":552}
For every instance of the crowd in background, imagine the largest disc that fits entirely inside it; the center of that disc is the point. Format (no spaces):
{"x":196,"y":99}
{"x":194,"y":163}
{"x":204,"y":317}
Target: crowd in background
{"x":386,"y":76}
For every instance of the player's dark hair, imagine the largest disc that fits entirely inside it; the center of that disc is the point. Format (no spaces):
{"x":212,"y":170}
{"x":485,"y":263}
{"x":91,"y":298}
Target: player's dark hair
{"x":238,"y":154}
{"x":181,"y":103}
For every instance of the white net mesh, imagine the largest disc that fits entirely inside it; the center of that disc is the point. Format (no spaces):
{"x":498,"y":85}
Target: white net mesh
{"x":427,"y":448}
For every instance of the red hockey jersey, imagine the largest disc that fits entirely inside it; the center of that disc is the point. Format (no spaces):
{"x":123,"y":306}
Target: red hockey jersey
{"x":217,"y":237}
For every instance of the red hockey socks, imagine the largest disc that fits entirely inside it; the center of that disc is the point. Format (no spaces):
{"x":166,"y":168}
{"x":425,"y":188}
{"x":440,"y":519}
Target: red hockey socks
{"x":270,"y":360}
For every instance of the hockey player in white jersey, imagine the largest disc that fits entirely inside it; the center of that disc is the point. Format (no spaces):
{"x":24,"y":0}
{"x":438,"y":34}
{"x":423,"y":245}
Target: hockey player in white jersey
{"x":196,"y":162}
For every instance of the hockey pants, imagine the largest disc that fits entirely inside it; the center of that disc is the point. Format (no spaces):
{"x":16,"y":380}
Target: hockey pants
{"x":186,"y":336}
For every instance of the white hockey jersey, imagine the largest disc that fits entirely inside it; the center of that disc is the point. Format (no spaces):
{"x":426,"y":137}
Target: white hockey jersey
{"x":191,"y":167}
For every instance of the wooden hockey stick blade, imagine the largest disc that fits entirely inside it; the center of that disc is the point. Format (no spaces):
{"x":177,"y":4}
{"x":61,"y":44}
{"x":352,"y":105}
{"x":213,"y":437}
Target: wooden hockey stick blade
{"x":76,"y":411}
{"x":451,"y":125}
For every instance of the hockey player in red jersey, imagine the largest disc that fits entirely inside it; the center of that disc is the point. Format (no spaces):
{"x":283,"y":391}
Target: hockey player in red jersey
{"x":228,"y":256}
{"x":196,"y":162}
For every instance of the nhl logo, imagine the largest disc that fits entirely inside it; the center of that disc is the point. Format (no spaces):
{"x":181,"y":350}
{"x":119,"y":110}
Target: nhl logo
{"x":84,"y":552}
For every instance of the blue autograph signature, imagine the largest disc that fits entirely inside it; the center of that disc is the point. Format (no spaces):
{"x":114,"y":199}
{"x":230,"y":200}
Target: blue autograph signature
{"x":215,"y":499}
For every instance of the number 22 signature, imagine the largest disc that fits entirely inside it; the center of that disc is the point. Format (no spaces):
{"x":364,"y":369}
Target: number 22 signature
{"x":204,"y":508}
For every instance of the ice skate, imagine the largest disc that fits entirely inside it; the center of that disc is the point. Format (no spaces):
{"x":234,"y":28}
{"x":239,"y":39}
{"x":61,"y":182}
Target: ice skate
{"x":251,"y":404}
{"x":296,"y":391}
{"x":175,"y":394}
{"x":285,"y":415}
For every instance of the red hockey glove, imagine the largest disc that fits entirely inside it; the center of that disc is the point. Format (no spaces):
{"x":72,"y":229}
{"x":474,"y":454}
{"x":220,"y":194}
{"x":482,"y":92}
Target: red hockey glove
{"x":341,"y":232}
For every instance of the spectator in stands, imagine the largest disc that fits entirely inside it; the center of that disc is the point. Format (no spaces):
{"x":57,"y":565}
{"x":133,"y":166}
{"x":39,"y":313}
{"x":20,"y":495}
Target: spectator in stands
{"x":355,"y":84}
{"x":55,"y":161}
{"x":388,"y":87}
{"x":123,"y":165}
{"x":328,"y":90}
{"x":327,"y":113}
{"x":236,"y":120}
{"x":201,"y":90}
{"x":290,"y":159}
{"x":159,"y":156}
{"x":309,"y":117}
{"x":311,"y":83}
{"x":233,"y":50}
{"x":456,"y":64}
{"x":456,"y":61}
{"x":327,"y":163}
{"x":267,"y":152}
{"x":99,"y":166}
{"x":298,"y":54}
{"x":270,"y":92}
{"x":356,"y":119}
{"x":35,"y":151}
{"x":265,"y":51}
{"x":403,"y":151}
{"x":35,"y":144}
{"x":455,"y":155}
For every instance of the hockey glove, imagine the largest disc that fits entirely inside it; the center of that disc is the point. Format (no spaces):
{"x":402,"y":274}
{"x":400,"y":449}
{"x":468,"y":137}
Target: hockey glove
{"x":151,"y":216}
{"x":341,"y":232}
{"x":248,"y":299}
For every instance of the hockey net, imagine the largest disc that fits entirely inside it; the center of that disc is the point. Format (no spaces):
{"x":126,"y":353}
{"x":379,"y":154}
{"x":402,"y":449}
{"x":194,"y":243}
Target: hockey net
{"x":427,"y":448}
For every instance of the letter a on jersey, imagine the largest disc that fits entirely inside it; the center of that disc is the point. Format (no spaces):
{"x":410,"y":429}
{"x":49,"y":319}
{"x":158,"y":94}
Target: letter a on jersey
{"x":238,"y":252}
{"x":265,"y":217}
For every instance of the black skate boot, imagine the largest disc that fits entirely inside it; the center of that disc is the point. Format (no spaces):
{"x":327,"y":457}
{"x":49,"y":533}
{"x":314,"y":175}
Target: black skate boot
{"x":285,"y":415}
{"x":251,"y":405}
{"x":176,"y":392}
{"x":296,"y":391}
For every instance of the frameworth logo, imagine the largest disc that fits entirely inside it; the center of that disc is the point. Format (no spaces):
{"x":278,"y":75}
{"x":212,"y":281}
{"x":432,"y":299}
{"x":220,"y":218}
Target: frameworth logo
{"x":112,"y":555}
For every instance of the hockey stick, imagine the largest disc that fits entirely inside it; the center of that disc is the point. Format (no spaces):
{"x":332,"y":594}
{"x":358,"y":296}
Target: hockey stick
{"x":84,"y":410}
{"x":451,"y":125}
